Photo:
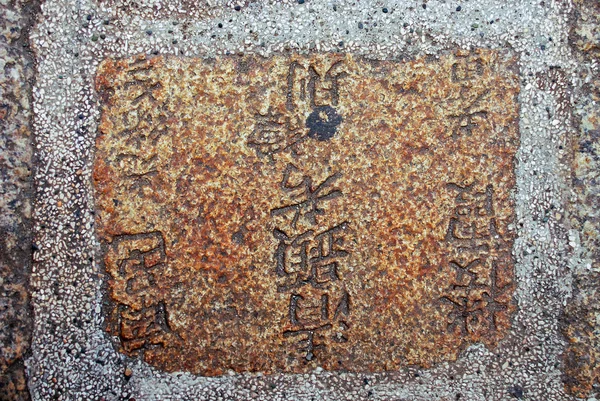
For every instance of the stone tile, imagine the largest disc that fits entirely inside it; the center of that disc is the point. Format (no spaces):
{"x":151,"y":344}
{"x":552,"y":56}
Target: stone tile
{"x":278,"y":215}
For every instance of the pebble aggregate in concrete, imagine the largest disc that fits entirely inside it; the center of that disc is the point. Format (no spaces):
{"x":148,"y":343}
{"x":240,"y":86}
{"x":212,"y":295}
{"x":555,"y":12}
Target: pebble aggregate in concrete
{"x":73,"y":358}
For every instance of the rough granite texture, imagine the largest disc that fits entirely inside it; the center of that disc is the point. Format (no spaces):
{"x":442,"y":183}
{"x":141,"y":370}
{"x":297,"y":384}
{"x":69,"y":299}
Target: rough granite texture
{"x":281,"y":214}
{"x":16,"y":74}
{"x":581,"y":320}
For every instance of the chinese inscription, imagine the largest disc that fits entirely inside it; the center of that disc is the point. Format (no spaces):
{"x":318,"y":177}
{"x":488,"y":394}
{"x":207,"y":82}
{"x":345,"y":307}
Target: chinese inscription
{"x":137,"y":262}
{"x":476,"y":249}
{"x":306,"y":89}
{"x":302,"y":211}
{"x":312,"y":259}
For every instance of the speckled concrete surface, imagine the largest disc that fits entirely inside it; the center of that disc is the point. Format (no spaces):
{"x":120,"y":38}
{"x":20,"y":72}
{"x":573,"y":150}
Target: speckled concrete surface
{"x":73,"y":358}
{"x":16,"y":74}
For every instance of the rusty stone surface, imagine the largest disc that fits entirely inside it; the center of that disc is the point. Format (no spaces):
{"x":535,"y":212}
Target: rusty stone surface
{"x":584,"y":35}
{"x":280,"y":214}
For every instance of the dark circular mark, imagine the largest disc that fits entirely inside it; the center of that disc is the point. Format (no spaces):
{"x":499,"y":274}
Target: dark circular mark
{"x":516,"y":391}
{"x":322,"y":123}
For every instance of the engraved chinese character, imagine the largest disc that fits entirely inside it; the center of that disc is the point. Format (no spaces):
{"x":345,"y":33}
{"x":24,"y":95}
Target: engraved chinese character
{"x":309,"y":258}
{"x":313,"y":317}
{"x":467,"y":68}
{"x":135,"y":263}
{"x":306,"y":197}
{"x":307,"y":85}
{"x":307,"y":89}
{"x":475,"y":307}
{"x":276,"y":132}
{"x":473,"y":223}
{"x":312,"y":311}
{"x":141,"y":81}
{"x":142,"y":328}
{"x":308,"y":344}
{"x":470,"y":119}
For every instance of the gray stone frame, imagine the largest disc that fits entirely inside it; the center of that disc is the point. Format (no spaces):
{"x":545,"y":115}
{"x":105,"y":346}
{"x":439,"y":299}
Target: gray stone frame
{"x":73,"y":357}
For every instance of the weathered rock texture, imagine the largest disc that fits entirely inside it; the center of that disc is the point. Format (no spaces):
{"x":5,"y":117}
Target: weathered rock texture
{"x":582,"y":314}
{"x":16,"y":73}
{"x":283,"y":214}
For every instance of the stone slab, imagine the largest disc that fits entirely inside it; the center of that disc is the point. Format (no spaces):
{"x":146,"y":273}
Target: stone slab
{"x":283,"y":214}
